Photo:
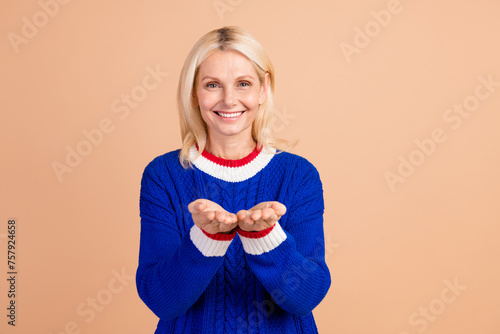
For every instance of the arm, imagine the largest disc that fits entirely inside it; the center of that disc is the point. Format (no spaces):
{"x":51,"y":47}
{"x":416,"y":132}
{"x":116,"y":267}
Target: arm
{"x":291,"y":263}
{"x":174,"y":269}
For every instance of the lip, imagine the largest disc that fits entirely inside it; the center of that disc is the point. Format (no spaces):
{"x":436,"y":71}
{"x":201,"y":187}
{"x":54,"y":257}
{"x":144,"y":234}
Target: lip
{"x":229,"y":112}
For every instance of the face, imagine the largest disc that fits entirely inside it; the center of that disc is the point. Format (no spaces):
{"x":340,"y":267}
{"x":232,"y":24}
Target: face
{"x":228,"y":93}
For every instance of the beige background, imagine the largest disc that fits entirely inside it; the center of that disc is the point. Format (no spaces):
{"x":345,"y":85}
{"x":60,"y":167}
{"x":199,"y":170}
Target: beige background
{"x":393,"y":248}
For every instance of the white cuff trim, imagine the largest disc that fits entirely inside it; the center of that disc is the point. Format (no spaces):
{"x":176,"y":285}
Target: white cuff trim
{"x":258,"y":246}
{"x":208,"y":246}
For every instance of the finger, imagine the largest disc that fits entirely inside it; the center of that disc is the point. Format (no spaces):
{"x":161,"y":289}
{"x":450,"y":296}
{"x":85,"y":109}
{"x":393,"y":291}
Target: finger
{"x":201,"y":206}
{"x":192,"y":207}
{"x":227,"y":219}
{"x":256,"y":215}
{"x":264,"y":205}
{"x":231,"y":218}
{"x":220,"y":216}
{"x":197,"y":206}
{"x":208,"y":215}
{"x":272,"y":219}
{"x":230,"y":222}
{"x":279,"y":208}
{"x":268,"y":213}
{"x":248,"y":218}
{"x":240,"y":215}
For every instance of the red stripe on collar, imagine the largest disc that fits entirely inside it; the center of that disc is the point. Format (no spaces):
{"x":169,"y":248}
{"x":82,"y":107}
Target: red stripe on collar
{"x":231,"y":163}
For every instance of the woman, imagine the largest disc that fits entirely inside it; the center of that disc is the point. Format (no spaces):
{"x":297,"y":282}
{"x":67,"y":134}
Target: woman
{"x":231,"y":230}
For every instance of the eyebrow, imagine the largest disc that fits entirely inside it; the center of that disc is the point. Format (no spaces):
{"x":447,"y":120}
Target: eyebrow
{"x":245,"y":76}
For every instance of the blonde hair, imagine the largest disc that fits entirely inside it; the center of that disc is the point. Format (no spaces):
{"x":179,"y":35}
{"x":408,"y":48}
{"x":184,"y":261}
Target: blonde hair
{"x":193,"y":127}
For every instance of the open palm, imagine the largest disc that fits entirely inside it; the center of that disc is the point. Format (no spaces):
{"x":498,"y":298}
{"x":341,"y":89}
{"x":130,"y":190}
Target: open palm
{"x":261,"y":216}
{"x":211,"y":217}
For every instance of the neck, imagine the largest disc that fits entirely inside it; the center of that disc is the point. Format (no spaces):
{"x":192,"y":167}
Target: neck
{"x":230,"y":148}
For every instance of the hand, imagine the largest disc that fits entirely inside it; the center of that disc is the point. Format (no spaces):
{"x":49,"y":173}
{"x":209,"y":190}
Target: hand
{"x":211,"y":217}
{"x":261,"y":216}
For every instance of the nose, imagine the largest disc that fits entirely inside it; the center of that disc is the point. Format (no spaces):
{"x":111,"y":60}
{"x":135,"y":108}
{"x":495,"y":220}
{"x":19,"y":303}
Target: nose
{"x":229,"y":97}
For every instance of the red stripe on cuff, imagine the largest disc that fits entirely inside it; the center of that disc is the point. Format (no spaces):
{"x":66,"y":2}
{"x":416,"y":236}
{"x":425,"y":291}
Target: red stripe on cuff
{"x":220,"y":236}
{"x":255,"y":234}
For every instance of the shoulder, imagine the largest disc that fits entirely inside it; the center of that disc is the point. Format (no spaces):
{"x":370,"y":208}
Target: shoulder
{"x":164,"y":165}
{"x":164,"y":160}
{"x":304,"y":188}
{"x":293,"y":171}
{"x":294,"y":162}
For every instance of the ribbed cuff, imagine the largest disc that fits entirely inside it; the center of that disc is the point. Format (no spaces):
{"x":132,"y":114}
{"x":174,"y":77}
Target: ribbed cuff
{"x":257,"y":243}
{"x":211,"y":244}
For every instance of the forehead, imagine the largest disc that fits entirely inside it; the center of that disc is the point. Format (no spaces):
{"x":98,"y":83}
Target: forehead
{"x":227,"y":64}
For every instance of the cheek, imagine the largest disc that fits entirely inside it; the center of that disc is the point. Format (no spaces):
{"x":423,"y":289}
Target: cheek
{"x":252,"y":99}
{"x":206,"y":101}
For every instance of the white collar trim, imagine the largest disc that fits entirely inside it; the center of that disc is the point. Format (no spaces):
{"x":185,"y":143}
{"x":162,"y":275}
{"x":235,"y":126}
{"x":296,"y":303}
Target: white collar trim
{"x":231,"y":174}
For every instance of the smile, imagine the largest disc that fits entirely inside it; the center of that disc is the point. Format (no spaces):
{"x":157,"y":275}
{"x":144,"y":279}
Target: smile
{"x":228,"y":115}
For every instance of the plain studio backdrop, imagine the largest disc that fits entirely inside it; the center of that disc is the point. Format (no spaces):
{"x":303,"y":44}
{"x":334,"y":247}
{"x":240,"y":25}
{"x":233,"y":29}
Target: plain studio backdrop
{"x":397,"y":103}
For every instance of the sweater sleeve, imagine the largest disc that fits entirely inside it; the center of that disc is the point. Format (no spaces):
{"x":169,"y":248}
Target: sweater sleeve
{"x":290,"y":262}
{"x":174,"y":268}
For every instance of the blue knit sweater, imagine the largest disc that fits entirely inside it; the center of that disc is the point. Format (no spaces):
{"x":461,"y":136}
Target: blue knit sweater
{"x":245,"y":282}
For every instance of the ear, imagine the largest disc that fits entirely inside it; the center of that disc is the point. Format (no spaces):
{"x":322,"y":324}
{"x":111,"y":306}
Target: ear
{"x":264,"y":87}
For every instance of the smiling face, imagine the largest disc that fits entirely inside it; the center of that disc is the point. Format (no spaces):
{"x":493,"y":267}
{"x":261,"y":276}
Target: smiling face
{"x":228,"y":94}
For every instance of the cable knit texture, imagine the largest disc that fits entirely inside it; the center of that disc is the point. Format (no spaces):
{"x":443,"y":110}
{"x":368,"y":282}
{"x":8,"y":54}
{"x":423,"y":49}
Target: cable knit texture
{"x":245,"y":282}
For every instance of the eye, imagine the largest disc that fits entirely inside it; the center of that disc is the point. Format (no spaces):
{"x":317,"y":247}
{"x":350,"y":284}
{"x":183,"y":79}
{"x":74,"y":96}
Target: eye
{"x":244,"y":84}
{"x":211,"y":85}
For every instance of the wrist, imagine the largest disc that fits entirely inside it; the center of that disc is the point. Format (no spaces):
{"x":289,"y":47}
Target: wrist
{"x":228,"y":232}
{"x":220,"y":235}
{"x":255,"y":233}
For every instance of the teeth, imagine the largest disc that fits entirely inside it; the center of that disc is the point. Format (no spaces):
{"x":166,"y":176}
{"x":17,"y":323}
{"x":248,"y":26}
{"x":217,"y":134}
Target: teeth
{"x":231,"y":115}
